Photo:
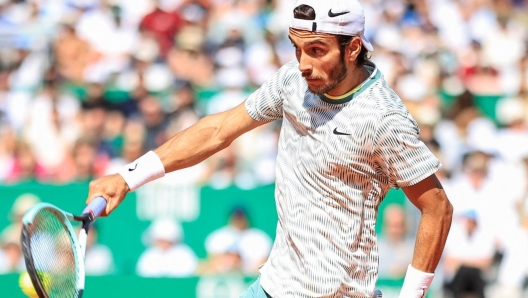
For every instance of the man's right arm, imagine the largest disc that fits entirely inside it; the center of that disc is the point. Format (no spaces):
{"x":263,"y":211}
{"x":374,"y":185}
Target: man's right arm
{"x":208,"y":136}
{"x":185,"y":149}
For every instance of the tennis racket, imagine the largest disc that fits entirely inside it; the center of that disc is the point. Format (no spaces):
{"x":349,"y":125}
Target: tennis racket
{"x":54,"y":255}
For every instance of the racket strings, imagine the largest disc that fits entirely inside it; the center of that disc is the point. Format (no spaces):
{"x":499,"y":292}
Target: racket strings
{"x":53,"y":254}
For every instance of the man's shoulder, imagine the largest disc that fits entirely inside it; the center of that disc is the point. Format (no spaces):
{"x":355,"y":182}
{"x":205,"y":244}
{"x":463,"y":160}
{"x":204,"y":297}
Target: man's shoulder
{"x":383,"y":94}
{"x":389,"y":105}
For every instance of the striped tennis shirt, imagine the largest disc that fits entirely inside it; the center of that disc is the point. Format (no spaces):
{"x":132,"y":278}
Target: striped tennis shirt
{"x":337,"y":159}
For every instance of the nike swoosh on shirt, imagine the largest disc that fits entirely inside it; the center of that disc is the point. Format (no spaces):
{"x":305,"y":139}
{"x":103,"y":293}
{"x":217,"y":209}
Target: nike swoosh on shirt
{"x":340,"y":133}
{"x":336,"y":14}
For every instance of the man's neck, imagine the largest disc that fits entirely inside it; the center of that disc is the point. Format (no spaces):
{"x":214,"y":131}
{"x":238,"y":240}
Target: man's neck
{"x":351,"y":81}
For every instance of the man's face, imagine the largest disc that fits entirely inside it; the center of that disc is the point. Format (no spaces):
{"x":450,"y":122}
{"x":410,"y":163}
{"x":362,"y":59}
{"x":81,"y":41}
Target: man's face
{"x":320,"y":60}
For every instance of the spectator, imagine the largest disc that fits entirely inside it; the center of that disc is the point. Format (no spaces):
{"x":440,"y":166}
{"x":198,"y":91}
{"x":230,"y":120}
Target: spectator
{"x":156,"y":121}
{"x":7,"y":148}
{"x":251,"y":243}
{"x":132,"y":148}
{"x":228,"y":262}
{"x":188,"y":59}
{"x":264,"y":58}
{"x":137,"y":90}
{"x":25,"y":166}
{"x":512,"y":137}
{"x":102,"y":26}
{"x":52,"y":117}
{"x":453,"y":132}
{"x":96,"y":113}
{"x":84,"y":163}
{"x":513,"y":268}
{"x":73,"y":54}
{"x":20,"y":205}
{"x":98,"y":257}
{"x":92,"y":119}
{"x":183,"y":111}
{"x":30,"y":66}
{"x":95,"y":96}
{"x":395,"y":246}
{"x":232,"y":81}
{"x":162,"y":25}
{"x":11,"y":259}
{"x":221,"y":169}
{"x":472,"y":187}
{"x":167,"y":255}
{"x":468,"y":256}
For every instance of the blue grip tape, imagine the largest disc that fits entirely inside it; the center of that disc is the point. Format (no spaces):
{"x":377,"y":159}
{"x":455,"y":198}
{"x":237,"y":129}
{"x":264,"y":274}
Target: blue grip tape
{"x":96,"y":206}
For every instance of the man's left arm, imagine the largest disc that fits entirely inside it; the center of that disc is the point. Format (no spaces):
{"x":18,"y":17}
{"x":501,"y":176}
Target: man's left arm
{"x":430,"y":198}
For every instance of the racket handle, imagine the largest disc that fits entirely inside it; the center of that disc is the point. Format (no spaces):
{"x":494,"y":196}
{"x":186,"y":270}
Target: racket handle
{"x":96,"y":206}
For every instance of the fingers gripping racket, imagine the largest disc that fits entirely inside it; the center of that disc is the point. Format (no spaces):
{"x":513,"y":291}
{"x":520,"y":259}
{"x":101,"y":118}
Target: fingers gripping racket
{"x":54,"y":255}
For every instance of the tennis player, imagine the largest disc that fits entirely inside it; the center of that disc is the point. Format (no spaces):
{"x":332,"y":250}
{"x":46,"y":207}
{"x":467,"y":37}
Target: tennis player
{"x":346,"y":140}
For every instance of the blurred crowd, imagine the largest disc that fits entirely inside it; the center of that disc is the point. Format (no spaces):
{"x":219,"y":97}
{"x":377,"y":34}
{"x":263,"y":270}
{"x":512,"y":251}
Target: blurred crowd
{"x":89,"y":85}
{"x":86,"y":86}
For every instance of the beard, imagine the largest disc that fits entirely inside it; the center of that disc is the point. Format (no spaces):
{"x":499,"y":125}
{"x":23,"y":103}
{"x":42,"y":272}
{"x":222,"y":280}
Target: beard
{"x":336,"y":76}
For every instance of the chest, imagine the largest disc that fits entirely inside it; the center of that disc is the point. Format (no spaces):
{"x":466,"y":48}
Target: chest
{"x":328,"y":136}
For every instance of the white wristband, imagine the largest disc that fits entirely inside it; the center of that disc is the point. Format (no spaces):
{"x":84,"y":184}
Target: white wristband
{"x":416,"y":283}
{"x":143,"y":170}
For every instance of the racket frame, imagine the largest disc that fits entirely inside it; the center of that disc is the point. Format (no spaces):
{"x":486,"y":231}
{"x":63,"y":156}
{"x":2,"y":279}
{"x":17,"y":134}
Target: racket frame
{"x":79,"y":243}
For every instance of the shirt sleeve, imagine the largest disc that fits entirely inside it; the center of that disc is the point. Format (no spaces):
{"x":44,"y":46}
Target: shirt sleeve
{"x":265,"y":104}
{"x":401,"y":156}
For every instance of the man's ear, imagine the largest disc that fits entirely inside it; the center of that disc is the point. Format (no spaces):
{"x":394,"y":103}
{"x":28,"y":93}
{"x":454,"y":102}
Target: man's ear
{"x":354,"y":48}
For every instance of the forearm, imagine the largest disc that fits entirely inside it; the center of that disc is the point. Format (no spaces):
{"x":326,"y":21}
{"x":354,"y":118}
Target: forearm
{"x":434,"y":227}
{"x":431,"y":237}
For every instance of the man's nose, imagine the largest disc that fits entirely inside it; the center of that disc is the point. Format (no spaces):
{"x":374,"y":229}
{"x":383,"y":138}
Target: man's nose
{"x":305,"y":64}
